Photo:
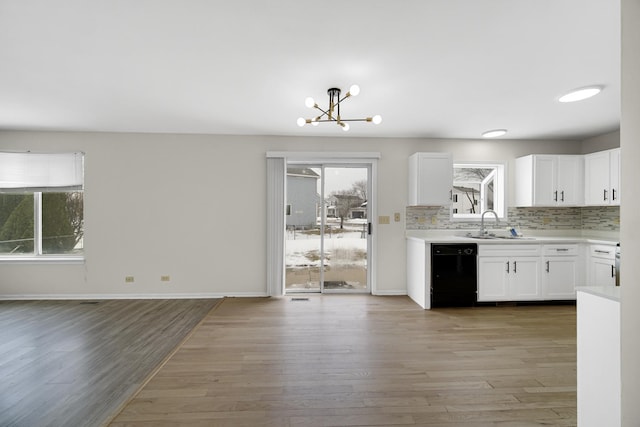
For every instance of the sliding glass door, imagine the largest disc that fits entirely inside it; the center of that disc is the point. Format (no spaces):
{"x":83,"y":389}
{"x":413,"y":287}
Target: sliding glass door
{"x":327,"y":241}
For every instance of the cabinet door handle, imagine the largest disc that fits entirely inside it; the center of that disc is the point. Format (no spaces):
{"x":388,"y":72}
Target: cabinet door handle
{"x":547,"y":266}
{"x":507,"y":266}
{"x":562,"y":196}
{"x":515,"y":266}
{"x":555,"y":196}
{"x":605,"y":195}
{"x":451,"y":195}
{"x":613,"y":194}
{"x":613,"y":271}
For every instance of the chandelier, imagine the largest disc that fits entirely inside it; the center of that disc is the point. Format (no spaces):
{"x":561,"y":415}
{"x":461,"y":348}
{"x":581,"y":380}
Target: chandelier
{"x":332,"y":113}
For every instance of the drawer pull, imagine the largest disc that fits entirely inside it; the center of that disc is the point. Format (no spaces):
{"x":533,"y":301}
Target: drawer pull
{"x":562,"y":250}
{"x":602,"y":252}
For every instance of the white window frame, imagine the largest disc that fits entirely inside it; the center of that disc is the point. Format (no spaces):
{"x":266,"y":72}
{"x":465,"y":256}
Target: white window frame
{"x":499,"y":175}
{"x":35,"y":173}
{"x":37,"y":257}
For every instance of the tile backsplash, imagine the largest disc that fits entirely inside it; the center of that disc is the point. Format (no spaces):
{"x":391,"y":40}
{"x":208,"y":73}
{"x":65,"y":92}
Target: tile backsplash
{"x":597,"y":218}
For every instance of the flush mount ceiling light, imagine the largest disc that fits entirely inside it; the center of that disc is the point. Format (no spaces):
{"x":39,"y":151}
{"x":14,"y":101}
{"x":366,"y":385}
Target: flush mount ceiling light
{"x":494,"y":133}
{"x":332,"y":113}
{"x":581,"y":94}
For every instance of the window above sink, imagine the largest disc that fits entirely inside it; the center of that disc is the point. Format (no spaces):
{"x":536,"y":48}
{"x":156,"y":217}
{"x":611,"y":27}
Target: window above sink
{"x":477,"y":187}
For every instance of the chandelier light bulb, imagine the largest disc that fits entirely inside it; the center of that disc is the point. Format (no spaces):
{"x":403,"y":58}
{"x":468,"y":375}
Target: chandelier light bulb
{"x":331,"y":114}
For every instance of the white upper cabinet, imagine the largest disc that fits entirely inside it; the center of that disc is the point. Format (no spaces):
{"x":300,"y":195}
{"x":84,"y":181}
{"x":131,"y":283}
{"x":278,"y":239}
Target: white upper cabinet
{"x":549,"y":180}
{"x":430,"y":179}
{"x":602,"y":178}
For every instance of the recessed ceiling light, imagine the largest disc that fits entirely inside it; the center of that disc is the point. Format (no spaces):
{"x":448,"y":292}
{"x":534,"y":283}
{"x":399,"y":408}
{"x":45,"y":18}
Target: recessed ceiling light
{"x":494,"y":133}
{"x":581,"y":94}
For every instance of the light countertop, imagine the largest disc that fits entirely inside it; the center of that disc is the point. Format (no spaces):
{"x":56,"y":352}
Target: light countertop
{"x":459,"y":236}
{"x":608,"y":292}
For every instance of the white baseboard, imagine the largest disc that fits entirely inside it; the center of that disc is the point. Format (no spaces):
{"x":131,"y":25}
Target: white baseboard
{"x":158,"y":296}
{"x":390,"y":293}
{"x":130,"y":296}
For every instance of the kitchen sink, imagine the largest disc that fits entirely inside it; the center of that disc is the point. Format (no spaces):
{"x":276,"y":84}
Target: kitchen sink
{"x":493,"y":237}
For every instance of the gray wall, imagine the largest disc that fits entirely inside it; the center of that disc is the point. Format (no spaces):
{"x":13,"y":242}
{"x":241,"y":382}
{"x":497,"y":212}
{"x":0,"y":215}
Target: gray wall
{"x":162,"y":204}
{"x":629,"y":217}
{"x":602,"y":142}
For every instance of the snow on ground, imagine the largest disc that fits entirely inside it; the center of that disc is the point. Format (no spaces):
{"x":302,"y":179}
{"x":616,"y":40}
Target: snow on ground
{"x":347,"y":248}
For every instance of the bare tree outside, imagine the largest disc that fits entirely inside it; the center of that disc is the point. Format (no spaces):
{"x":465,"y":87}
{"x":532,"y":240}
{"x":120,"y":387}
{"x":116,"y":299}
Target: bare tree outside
{"x":332,"y":253}
{"x":467,"y":182}
{"x":360,"y":189}
{"x":346,"y":200}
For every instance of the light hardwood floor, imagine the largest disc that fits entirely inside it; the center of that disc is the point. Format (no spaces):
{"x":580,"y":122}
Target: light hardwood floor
{"x":357,"y":360}
{"x":74,"y":363}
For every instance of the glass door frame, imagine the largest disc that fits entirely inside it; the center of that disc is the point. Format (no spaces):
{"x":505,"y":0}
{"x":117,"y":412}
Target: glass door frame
{"x":325,"y":166}
{"x":370,"y":163}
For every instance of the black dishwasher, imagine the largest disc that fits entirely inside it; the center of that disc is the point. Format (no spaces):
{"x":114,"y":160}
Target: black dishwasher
{"x":454,"y":275}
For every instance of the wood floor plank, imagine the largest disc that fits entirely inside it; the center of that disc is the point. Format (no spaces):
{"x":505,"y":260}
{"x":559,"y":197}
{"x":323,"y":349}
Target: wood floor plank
{"x":342,"y":360}
{"x":75,"y":363}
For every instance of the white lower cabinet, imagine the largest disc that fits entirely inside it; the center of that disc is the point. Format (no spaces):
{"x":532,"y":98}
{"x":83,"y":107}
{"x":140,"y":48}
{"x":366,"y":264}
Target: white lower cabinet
{"x":509,"y":272}
{"x":561,"y":273}
{"x":602,"y":270}
{"x":493,"y":279}
{"x":529,"y":272}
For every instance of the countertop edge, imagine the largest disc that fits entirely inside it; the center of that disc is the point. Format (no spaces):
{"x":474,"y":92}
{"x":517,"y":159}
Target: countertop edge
{"x":608,"y":292}
{"x":529,"y":240}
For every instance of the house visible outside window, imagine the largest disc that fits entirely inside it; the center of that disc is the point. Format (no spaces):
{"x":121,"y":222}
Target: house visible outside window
{"x":41,"y":205}
{"x":478,"y":187}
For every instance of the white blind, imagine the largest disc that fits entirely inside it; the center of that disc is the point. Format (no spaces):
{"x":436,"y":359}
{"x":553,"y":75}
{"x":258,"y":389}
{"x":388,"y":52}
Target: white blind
{"x":41,"y":172}
{"x":276,"y":172}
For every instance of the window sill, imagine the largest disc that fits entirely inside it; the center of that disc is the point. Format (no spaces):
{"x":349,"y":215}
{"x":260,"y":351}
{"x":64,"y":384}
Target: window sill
{"x":43,"y":259}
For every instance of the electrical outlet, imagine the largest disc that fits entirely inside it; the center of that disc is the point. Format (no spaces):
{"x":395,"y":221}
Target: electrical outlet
{"x":396,"y":217}
{"x":434,"y":220}
{"x":422,"y":220}
{"x":165,"y":278}
{"x":128,"y":279}
{"x":383,"y":219}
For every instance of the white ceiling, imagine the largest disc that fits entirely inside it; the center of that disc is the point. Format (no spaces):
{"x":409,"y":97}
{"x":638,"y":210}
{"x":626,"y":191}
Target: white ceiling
{"x":431,"y":68}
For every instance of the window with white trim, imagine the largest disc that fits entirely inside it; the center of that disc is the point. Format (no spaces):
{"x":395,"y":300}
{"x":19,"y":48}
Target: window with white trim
{"x":41,"y":204}
{"x":478,"y":187}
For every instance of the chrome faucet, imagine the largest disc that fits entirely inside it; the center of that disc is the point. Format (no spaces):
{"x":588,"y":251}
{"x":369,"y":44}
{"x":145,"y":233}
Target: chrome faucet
{"x":482,"y":230}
